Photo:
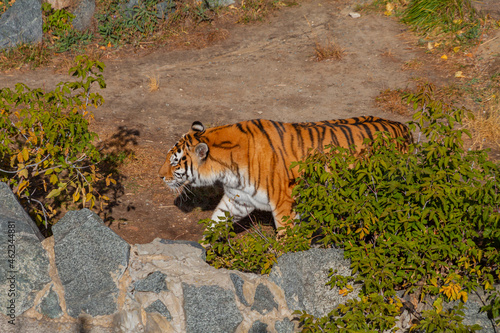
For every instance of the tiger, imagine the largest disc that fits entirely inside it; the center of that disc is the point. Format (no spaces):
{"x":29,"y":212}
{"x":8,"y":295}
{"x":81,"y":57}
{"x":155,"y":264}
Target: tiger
{"x":252,"y":159}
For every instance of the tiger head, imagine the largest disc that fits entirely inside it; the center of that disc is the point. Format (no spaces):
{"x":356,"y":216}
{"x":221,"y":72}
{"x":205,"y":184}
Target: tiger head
{"x":184,"y":159}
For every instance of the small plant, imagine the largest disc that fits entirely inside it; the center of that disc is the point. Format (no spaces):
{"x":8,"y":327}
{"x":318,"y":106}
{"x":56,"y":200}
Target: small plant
{"x":154,"y":83}
{"x":58,"y":25}
{"x":118,"y":24}
{"x":256,"y":251}
{"x":56,"y":20}
{"x":328,"y":51}
{"x":47,"y":154}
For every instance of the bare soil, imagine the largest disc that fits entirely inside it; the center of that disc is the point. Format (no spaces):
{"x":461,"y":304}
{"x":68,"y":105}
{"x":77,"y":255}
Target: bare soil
{"x":262,"y":70}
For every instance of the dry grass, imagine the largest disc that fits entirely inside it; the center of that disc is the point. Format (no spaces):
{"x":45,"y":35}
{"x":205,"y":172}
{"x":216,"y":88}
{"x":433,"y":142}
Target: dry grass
{"x":328,"y":51}
{"x":154,"y":83}
{"x":485,"y":128}
{"x":412,"y":65}
{"x":392,"y":101}
{"x":32,"y":56}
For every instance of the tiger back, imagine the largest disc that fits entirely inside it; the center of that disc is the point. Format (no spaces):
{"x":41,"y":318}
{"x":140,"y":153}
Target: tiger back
{"x":252,"y":159}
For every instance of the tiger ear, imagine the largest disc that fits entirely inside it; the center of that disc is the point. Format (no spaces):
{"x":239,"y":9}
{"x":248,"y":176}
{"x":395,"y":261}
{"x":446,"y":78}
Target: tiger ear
{"x":201,"y":150}
{"x":198,"y":127}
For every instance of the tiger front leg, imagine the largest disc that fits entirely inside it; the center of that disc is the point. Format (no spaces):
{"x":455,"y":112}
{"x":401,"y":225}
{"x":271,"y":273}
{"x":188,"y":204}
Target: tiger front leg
{"x":237,"y":210}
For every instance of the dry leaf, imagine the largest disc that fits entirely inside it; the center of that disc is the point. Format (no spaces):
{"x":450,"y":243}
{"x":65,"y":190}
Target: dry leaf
{"x":459,"y":74}
{"x":444,"y":56}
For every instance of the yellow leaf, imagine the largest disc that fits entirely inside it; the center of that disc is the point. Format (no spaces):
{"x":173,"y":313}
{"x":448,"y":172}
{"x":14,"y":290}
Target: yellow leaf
{"x":76,"y":196}
{"x":434,"y":282}
{"x":436,"y":44}
{"x":22,"y":185}
{"x":343,"y":292}
{"x":53,"y":178}
{"x":459,"y":74}
{"x":54,"y":193}
{"x":20,"y":157}
{"x":464,"y":296}
{"x":25,"y":153}
{"x":109,"y":44}
{"x":23,"y":173}
{"x":104,"y":197}
{"x":438,"y":304}
{"x":456,"y":49}
{"x":487,"y":285}
{"x":444,"y":56}
{"x":88,"y":197}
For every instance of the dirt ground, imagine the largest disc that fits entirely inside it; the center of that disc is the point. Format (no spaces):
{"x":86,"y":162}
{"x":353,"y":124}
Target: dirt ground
{"x":263,"y":70}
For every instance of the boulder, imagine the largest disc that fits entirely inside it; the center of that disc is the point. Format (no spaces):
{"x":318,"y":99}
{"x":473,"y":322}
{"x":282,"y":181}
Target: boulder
{"x":210,"y":309}
{"x":24,"y":264}
{"x":21,"y":23}
{"x":90,"y":259}
{"x":84,"y":12}
{"x":303,"y":277}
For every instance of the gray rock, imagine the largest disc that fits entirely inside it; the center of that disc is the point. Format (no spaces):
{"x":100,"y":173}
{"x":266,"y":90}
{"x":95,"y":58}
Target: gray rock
{"x":284,"y":326}
{"x":258,"y":327}
{"x":210,"y":309}
{"x":131,"y":4}
{"x":191,"y":243}
{"x":90,"y":258}
{"x":24,"y":264}
{"x":264,"y":300}
{"x":83,"y":12}
{"x":21,"y":23}
{"x":219,"y":3}
{"x":303,"y":275}
{"x":158,"y":306}
{"x":12,"y":209}
{"x":49,"y":305}
{"x":164,"y":8}
{"x":154,"y":282}
{"x":238,"y":286}
{"x":472,"y":314}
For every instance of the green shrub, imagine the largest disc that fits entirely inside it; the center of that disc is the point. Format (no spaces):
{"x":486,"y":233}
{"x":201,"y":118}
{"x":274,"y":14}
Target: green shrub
{"x":255,"y":251}
{"x":58,"y":25}
{"x":47,"y":153}
{"x":425,"y":221}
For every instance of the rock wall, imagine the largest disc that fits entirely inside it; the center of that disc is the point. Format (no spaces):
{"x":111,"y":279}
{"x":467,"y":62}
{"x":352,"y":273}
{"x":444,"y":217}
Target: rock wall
{"x":85,"y":278}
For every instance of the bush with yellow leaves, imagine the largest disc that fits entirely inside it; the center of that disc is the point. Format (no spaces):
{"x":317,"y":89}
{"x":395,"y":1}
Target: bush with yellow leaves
{"x":47,"y":152}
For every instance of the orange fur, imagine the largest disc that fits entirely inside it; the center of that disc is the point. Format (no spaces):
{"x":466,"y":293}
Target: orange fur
{"x":252,"y":158}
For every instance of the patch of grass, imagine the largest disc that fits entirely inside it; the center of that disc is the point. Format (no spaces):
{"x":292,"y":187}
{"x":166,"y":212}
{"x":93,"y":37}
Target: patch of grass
{"x":453,"y":21}
{"x":485,"y":127}
{"x":257,"y":10}
{"x":34,"y":56}
{"x":412,"y":65}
